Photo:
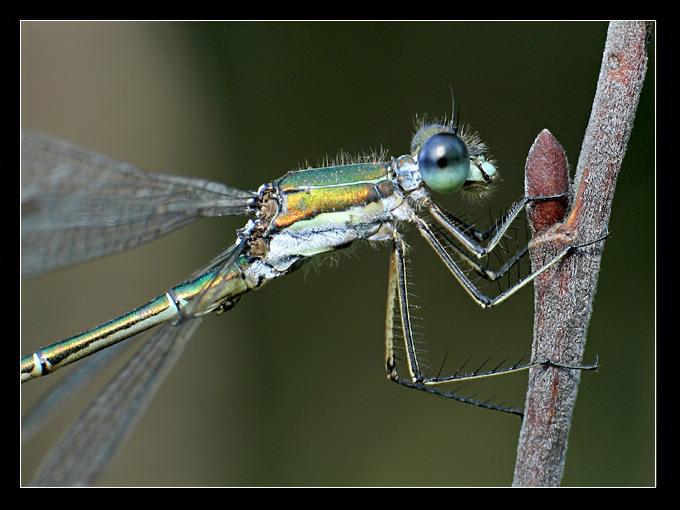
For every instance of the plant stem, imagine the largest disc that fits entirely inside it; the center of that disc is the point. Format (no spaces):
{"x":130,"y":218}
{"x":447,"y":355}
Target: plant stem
{"x":564,"y":293}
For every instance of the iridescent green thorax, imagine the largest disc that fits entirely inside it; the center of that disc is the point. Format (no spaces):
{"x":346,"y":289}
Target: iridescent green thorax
{"x":306,"y":194}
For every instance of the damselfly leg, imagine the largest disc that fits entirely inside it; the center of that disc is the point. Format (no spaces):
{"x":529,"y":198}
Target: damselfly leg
{"x":398,"y":297}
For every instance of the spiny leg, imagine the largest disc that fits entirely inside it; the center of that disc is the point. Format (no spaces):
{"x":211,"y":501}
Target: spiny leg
{"x":486,"y":302}
{"x":397,"y":296}
{"x":462,"y":231}
{"x":469,"y":252}
{"x":480,"y":298}
{"x":473,"y":262}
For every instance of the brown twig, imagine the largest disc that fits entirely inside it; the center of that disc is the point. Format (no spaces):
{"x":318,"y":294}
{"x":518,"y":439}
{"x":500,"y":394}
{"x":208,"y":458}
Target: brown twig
{"x":564,"y":293}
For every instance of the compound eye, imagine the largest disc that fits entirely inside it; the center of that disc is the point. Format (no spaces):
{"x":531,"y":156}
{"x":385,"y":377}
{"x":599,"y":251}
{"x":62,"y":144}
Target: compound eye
{"x":444,"y":162}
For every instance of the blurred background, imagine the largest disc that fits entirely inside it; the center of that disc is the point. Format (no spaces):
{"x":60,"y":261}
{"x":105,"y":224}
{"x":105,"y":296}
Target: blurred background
{"x":288,"y":388}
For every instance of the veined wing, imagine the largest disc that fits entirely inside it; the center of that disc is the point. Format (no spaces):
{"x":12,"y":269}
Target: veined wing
{"x":77,"y":205}
{"x":87,"y":447}
{"x":84,"y":451}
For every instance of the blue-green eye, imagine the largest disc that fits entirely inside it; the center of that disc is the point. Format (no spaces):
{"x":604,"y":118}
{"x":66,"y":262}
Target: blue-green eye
{"x":444,"y":162}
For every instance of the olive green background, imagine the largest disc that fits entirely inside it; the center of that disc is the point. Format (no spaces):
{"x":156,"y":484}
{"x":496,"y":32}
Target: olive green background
{"x":289,"y":387}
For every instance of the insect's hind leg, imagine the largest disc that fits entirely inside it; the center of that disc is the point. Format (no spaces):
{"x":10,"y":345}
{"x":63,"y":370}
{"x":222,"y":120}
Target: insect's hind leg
{"x":397,"y":296}
{"x":397,"y":299}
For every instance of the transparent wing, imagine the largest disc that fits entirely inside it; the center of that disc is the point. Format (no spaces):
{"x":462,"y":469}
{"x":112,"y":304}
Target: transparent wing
{"x":87,"y":447}
{"x":77,"y":205}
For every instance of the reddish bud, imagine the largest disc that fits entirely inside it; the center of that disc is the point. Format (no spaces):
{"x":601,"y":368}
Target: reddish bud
{"x":546,"y":173}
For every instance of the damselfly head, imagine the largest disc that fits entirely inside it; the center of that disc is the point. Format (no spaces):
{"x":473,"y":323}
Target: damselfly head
{"x":451,"y":159}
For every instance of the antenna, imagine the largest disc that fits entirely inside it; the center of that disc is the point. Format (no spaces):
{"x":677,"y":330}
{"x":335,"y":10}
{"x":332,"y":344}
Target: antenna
{"x":454,"y":119}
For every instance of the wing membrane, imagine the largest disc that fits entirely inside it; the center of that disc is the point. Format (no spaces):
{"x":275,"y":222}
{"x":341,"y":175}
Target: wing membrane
{"x":78,"y":205}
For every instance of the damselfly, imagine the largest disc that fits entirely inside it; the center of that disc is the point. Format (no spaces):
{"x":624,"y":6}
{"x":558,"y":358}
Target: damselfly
{"x":78,"y":205}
